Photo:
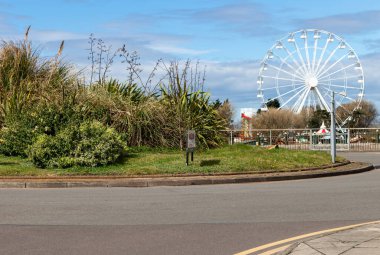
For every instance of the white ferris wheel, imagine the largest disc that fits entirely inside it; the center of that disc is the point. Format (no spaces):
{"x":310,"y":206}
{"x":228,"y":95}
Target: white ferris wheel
{"x":302,"y":70}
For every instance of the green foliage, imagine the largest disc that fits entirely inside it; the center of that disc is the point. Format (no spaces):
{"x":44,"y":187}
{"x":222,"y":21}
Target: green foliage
{"x":44,"y":150}
{"x":225,"y":112}
{"x":317,"y":117}
{"x":189,"y":107}
{"x":47,"y":107}
{"x":90,"y":144}
{"x":273,"y":103}
{"x":15,"y":138}
{"x":128,"y":109}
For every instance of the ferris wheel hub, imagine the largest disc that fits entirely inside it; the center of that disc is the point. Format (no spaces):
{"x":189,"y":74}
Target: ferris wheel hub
{"x":311,"y":81}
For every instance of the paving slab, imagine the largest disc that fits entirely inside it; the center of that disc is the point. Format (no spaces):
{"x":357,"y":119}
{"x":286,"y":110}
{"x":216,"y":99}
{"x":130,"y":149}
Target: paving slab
{"x":363,"y":240}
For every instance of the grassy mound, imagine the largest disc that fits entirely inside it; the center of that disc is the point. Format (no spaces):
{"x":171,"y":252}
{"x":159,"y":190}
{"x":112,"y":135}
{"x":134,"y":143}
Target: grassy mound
{"x":229,"y":159}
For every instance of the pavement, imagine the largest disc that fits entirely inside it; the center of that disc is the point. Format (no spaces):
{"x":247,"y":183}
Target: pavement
{"x":360,"y":240}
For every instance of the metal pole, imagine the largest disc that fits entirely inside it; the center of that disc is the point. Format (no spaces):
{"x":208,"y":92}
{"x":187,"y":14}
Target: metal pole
{"x":270,"y":137}
{"x":332,"y":133}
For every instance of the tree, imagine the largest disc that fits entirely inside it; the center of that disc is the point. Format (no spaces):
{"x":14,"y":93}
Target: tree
{"x":278,"y":119}
{"x":361,"y":117}
{"x":225,"y":111}
{"x":317,"y":117}
{"x":273,"y":103}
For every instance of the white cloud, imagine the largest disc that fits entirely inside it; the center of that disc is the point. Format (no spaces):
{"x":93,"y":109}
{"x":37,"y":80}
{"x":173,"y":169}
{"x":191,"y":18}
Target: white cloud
{"x":177,"y":50}
{"x":55,"y":35}
{"x":348,"y":23}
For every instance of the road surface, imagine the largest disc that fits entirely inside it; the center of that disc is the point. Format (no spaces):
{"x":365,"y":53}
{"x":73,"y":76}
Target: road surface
{"x":212,"y":219}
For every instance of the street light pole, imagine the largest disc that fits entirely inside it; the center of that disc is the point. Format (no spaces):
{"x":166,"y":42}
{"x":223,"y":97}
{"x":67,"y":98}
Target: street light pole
{"x":332,"y":126}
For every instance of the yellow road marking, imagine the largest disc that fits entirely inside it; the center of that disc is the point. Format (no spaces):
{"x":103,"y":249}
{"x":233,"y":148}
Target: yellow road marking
{"x":282,"y":248}
{"x":269,"y":245}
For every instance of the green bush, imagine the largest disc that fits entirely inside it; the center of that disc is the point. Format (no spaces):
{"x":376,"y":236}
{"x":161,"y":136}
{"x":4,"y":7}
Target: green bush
{"x":89,"y":144}
{"x":44,"y":150}
{"x":15,"y":138}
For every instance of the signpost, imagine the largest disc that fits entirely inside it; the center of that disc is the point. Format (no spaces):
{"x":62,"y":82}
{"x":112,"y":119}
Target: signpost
{"x":190,"y":145}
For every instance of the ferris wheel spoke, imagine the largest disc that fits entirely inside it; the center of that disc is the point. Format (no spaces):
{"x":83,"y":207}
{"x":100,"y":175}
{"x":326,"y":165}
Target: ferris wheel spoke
{"x":284,"y":86}
{"x":299,"y":98}
{"x":280,"y":78}
{"x":338,"y":119}
{"x":292,"y":97}
{"x":300,"y":66}
{"x":286,"y":93}
{"x":300,"y":55}
{"x":338,"y":103}
{"x":307,"y":55}
{"x":322,"y":100}
{"x":331,"y":66}
{"x":312,"y":103}
{"x":317,"y":102}
{"x":303,"y":100}
{"x":321,"y":56}
{"x":314,"y":53}
{"x":326,"y":61}
{"x":342,"y":69}
{"x":349,"y":98}
{"x":339,"y":86}
{"x":289,"y":65}
{"x":340,"y":78}
{"x":282,"y":70}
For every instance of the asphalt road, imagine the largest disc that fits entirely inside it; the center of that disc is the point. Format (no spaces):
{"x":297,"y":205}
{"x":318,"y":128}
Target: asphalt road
{"x":215,"y":219}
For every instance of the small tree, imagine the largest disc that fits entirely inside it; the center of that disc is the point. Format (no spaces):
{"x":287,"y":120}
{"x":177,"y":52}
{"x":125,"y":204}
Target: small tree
{"x":273,"y":103}
{"x":225,"y":111}
{"x":317,"y":117}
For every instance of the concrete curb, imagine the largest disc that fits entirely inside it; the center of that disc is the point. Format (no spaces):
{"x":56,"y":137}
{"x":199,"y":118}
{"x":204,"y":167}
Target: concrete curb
{"x":21,"y":182}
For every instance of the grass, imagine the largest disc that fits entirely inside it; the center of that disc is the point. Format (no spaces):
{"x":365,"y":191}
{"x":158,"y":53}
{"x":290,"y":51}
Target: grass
{"x":229,"y":159}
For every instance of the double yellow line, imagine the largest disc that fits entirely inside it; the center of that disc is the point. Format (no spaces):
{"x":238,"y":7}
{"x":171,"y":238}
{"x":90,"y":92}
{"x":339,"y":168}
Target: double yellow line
{"x":296,"y":238}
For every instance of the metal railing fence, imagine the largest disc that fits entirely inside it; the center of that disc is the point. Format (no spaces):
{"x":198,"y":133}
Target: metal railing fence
{"x":347,"y":139}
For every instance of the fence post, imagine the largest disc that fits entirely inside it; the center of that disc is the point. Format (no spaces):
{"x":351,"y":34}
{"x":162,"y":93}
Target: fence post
{"x":231,"y":138}
{"x":270,"y":137}
{"x":311,"y":138}
{"x":348,"y":139}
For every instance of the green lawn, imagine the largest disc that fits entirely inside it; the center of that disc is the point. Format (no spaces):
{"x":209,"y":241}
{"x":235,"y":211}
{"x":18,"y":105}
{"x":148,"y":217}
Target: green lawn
{"x":229,"y":159}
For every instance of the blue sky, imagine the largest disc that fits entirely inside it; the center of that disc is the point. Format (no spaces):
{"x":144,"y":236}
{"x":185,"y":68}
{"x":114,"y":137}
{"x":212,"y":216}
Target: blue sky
{"x":228,"y":37}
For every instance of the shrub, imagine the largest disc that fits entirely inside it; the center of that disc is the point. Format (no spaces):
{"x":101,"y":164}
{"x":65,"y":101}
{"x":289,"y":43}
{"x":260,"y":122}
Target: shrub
{"x":97,"y":145}
{"x":44,"y":150}
{"x":89,"y":144}
{"x":15,"y":138}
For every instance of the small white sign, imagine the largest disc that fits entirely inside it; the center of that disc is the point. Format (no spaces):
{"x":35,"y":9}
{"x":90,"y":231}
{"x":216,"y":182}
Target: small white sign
{"x":190,"y":139}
